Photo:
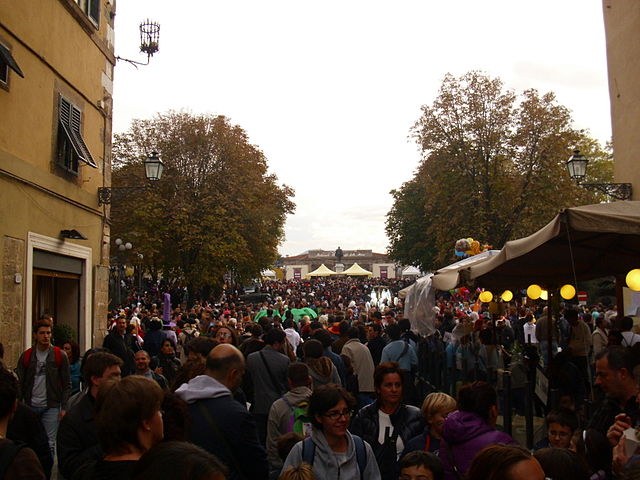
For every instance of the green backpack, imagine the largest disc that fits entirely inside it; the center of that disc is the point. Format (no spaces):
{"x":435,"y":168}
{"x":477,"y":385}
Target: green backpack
{"x":299,"y":422}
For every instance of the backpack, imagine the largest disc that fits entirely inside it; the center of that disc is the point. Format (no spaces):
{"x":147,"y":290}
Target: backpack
{"x":299,"y":421}
{"x":309,"y":452}
{"x":57,"y":352}
{"x":8,"y":454}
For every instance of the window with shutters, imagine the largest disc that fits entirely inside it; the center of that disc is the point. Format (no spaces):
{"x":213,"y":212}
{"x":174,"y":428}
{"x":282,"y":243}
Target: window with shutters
{"x":72,"y":148}
{"x":91,"y":8}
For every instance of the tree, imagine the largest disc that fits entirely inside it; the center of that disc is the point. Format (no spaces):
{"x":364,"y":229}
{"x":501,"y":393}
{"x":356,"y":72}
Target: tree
{"x":216,"y":208}
{"x":493,"y":168}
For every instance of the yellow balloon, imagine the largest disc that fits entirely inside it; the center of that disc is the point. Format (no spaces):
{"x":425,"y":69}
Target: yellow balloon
{"x":129,"y":271}
{"x":486,"y":296}
{"x":534,"y":291}
{"x":567,"y":292}
{"x":544,"y":295}
{"x":507,"y":295}
{"x":633,"y":279}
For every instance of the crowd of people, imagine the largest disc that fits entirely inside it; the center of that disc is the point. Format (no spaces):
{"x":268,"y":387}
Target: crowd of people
{"x":321,"y":379}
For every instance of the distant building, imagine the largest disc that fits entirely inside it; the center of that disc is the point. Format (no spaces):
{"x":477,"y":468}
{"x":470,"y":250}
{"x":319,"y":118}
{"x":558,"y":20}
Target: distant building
{"x":299,"y":266}
{"x":56,"y":70}
{"x":622,"y":28}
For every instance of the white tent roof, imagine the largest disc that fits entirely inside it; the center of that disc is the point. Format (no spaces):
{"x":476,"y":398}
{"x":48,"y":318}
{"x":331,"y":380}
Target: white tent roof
{"x":356,"y":270}
{"x":449,"y":277}
{"x":268,"y":273}
{"x":321,"y":271}
{"x":410,"y":271}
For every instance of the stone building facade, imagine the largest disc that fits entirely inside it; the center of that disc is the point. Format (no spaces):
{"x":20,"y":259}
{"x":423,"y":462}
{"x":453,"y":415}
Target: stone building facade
{"x":299,"y":266}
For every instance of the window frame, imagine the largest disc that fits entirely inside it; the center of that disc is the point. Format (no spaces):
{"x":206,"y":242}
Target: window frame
{"x":71,"y":148}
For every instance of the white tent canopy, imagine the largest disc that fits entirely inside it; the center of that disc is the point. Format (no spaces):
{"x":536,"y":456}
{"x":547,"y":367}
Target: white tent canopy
{"x":449,"y":277}
{"x":356,"y":270}
{"x":321,"y":271}
{"x":410,"y":271}
{"x":268,"y":273}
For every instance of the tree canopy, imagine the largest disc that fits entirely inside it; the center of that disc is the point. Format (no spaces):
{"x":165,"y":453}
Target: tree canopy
{"x":216,"y":208}
{"x":492,"y":168}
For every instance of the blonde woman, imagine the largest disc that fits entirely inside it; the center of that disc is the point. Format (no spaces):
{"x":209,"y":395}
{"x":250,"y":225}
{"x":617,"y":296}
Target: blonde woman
{"x":301,"y":472}
{"x":435,"y":408}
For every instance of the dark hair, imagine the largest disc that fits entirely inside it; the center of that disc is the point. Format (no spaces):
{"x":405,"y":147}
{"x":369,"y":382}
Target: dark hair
{"x":376,"y":327}
{"x":170,"y":340}
{"x":75,"y":351}
{"x":478,"y":398}
{"x":343,"y":327}
{"x":562,"y":463}
{"x":324,"y":398}
{"x":8,"y":392}
{"x":312,"y":348}
{"x":43,"y":322}
{"x":626,"y":324}
{"x":495,"y":461}
{"x":383,"y":369}
{"x":298,"y":374}
{"x":353,"y":332}
{"x":201,"y":345}
{"x":428,"y":460}
{"x":256,"y":330}
{"x":404,"y":324}
{"x":323,"y":337}
{"x":394,"y":331}
{"x":593,"y":446}
{"x":179,"y":461}
{"x":96,"y":363}
{"x":275,"y":335}
{"x":618,"y":357}
{"x":564,"y":417}
{"x":288,"y":323}
{"x":176,"y":418}
{"x":286,"y":442}
{"x":570,"y":313}
{"x":121,"y":407}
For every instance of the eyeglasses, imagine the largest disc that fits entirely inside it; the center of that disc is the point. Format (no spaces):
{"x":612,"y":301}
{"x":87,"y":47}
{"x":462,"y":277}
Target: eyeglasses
{"x":336,"y":415}
{"x":223,"y":334}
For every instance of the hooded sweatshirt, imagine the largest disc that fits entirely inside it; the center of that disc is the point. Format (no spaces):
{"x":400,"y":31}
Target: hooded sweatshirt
{"x":323,"y":371}
{"x":235,"y":438}
{"x":335,"y":466}
{"x":464,"y":434}
{"x":200,"y":388}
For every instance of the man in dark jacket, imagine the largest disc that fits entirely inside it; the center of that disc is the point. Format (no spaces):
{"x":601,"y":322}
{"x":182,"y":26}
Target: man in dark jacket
{"x":376,"y":342}
{"x":77,"y":437}
{"x":122,"y":345}
{"x":220,"y":424}
{"x":268,"y":370}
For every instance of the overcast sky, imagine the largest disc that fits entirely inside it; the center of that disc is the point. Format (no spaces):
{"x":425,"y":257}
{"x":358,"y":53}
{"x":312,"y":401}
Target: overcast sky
{"x":329,"y":90}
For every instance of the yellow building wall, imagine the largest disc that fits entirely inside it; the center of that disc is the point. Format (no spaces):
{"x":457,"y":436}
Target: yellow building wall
{"x":59,"y":51}
{"x":622,"y":27}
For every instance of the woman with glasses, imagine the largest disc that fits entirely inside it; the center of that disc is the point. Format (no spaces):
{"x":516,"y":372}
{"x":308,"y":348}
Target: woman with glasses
{"x":331,"y":450}
{"x":388,"y":424}
{"x":226,"y":335}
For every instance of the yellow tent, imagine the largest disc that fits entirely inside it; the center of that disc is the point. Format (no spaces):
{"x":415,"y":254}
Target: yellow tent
{"x":357,"y":270}
{"x":321,"y":271}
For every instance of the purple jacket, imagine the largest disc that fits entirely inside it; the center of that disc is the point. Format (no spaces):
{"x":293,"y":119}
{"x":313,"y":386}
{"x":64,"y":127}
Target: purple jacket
{"x":464,"y":434}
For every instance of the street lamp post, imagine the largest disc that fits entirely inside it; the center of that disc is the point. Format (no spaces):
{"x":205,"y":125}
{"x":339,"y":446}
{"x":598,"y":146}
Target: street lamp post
{"x":153,"y":168}
{"x":577,"y":168}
